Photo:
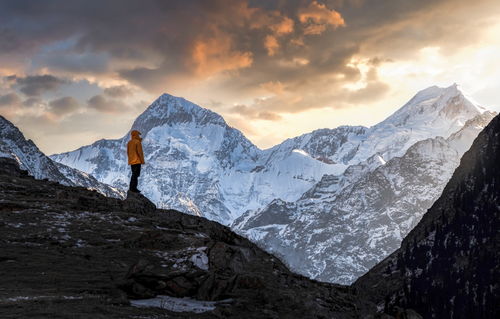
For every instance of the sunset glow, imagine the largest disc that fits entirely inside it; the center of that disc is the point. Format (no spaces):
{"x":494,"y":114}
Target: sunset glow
{"x":74,"y":73}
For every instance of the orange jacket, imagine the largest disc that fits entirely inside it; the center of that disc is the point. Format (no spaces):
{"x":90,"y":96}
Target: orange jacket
{"x":134,"y":149}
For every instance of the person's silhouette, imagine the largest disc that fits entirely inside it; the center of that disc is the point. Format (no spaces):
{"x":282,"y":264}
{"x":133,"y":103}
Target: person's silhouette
{"x":135,"y":159}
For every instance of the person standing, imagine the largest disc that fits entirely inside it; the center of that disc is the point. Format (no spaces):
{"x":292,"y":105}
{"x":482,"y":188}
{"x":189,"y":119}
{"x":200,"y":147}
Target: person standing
{"x":135,"y":159}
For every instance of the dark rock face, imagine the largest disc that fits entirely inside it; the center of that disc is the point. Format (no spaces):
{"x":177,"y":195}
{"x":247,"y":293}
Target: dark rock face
{"x":448,"y":265}
{"x":72,"y":252}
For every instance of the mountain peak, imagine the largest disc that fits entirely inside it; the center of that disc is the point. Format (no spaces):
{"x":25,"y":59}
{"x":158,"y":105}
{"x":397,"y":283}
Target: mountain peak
{"x":435,"y":91}
{"x":171,"y":110}
{"x":437,"y":105}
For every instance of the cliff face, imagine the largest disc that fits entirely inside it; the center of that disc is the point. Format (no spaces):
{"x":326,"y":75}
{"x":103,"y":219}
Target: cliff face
{"x":73,"y":252}
{"x":448,"y":265}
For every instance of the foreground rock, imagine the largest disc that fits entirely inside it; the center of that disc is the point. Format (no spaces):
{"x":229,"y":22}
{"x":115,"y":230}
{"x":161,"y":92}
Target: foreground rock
{"x":75,"y":253}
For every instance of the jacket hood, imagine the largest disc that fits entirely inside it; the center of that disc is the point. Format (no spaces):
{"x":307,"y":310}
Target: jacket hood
{"x":135,"y":134}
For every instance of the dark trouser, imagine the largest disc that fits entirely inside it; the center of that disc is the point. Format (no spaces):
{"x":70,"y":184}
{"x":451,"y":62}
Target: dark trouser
{"x":136,"y":172}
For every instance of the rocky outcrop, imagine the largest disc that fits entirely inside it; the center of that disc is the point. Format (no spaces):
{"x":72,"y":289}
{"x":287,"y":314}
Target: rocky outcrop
{"x":75,"y":253}
{"x":448,"y":265}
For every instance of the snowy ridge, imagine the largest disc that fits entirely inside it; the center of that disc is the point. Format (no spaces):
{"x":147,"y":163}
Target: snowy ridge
{"x":14,"y":145}
{"x":308,"y":196}
{"x":347,"y":223}
{"x":196,"y":163}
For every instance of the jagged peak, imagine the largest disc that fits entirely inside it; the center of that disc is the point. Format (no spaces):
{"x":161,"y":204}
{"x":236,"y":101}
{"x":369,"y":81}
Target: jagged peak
{"x":436,"y":91}
{"x":167,"y":105}
{"x":10,"y":129}
{"x":169,"y":109}
{"x":306,"y":137}
{"x":448,"y":102}
{"x":4,"y":121}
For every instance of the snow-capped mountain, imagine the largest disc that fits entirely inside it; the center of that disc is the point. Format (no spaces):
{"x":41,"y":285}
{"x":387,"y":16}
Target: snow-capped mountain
{"x":14,"y":145}
{"x":347,"y":223}
{"x":447,"y":266}
{"x":431,"y":112}
{"x":332,"y":202}
{"x":196,"y":163}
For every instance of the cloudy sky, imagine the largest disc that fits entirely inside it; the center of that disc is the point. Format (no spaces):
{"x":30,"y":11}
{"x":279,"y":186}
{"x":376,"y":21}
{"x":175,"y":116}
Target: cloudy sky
{"x":72,"y":72}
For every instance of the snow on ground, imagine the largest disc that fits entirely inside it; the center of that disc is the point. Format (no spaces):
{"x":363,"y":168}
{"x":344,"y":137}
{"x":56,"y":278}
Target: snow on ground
{"x":178,"y":304}
{"x":200,"y":259}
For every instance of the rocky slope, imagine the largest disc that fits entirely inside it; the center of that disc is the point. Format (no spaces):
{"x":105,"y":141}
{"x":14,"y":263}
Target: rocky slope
{"x":71,"y":252}
{"x":198,"y":164}
{"x":448,"y":265}
{"x":14,"y":145}
{"x":347,"y":223}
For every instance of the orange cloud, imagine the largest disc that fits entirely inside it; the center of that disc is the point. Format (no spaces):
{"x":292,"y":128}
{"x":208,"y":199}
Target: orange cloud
{"x":275,"y":87}
{"x":285,"y":26}
{"x":216,"y":54}
{"x":316,"y":17}
{"x":271,"y":44}
{"x":273,"y":21}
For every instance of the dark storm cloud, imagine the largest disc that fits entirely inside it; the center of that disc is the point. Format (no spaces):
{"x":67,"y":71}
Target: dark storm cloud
{"x":9,"y":41}
{"x":32,"y":101}
{"x":9,"y":99}
{"x":36,"y":84}
{"x":118,"y":91}
{"x":197,"y":37}
{"x":63,"y":106}
{"x":102,"y":104}
{"x":73,"y":62}
{"x":304,"y":45}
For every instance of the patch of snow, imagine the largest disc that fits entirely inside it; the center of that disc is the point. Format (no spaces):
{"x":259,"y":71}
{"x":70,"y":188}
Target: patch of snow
{"x":200,"y":259}
{"x":382,"y":161}
{"x":177,"y":304}
{"x":301,"y":152}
